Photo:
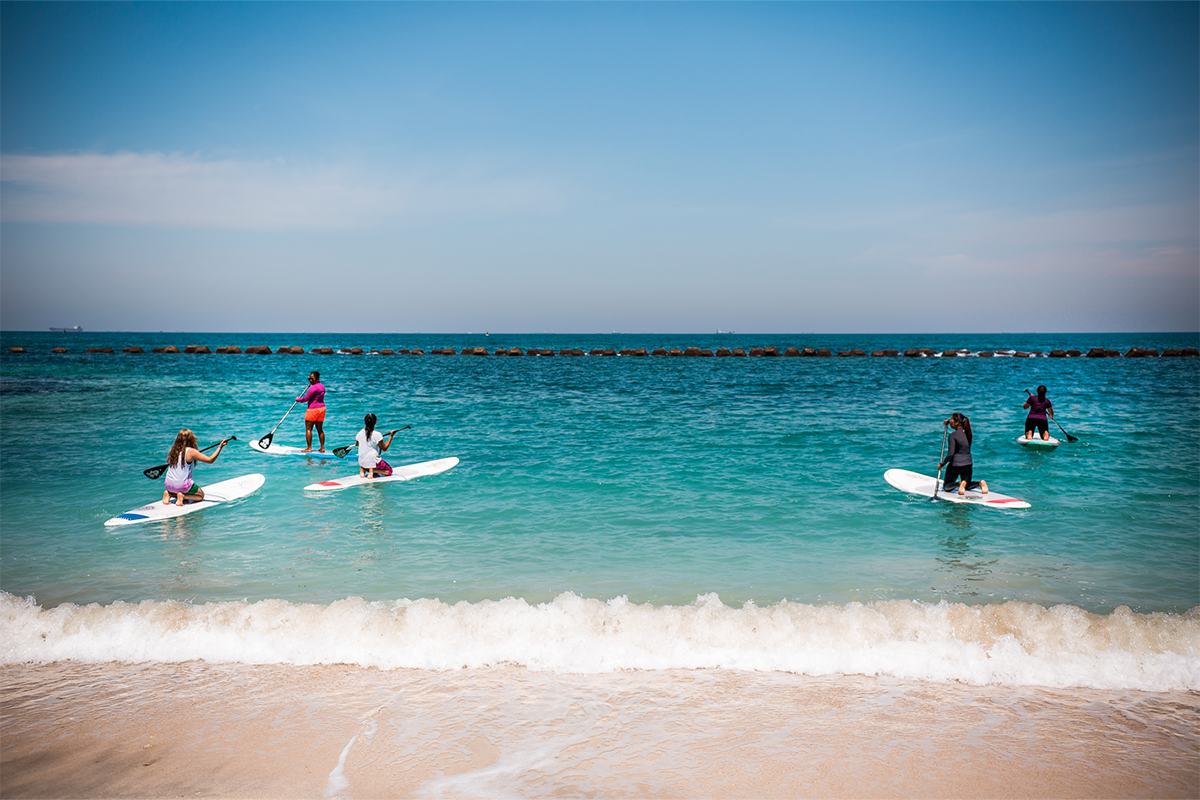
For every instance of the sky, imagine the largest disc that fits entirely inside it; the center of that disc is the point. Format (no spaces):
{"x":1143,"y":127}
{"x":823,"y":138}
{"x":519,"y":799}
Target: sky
{"x":583,"y":167}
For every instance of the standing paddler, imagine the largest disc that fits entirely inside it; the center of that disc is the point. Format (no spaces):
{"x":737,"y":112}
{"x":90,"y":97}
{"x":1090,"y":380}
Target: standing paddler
{"x":315,"y":415}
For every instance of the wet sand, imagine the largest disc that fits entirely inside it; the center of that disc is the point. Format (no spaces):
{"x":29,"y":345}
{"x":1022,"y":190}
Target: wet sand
{"x":226,"y":730}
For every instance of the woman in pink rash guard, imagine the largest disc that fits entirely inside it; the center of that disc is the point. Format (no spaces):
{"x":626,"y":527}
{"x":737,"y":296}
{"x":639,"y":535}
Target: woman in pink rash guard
{"x":315,"y":415}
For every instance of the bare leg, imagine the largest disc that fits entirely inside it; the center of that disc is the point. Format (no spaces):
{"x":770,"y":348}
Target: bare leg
{"x":308,"y":437}
{"x":195,"y":497}
{"x":320,"y":433}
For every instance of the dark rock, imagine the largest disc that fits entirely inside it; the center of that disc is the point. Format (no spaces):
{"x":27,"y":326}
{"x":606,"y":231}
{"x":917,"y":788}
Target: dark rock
{"x":756,"y":352}
{"x":515,"y":351}
{"x":691,"y":352}
{"x":792,"y":352}
{"x":132,"y":350}
{"x":284,"y":350}
{"x":723,"y":352}
{"x":1058,"y":354}
{"x":356,"y":351}
{"x":948,"y":354}
{"x":1097,"y":352}
{"x":738,"y":353}
{"x":610,"y":352}
{"x":1138,"y":352}
{"x":60,"y":350}
{"x":706,"y":354}
{"x":912,"y":353}
{"x":386,"y":352}
{"x":403,"y":351}
{"x":1073,"y":354}
{"x":641,"y":351}
{"x":675,"y":351}
{"x":170,"y":349}
{"x":770,"y":352}
{"x":299,"y":351}
{"x":16,"y":349}
{"x":985,"y":354}
{"x":658,"y":351}
{"x":417,"y":352}
{"x":1019,"y":354}
{"x":595,"y":351}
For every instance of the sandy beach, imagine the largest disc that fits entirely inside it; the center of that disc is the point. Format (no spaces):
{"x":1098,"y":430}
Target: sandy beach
{"x":164,"y":730}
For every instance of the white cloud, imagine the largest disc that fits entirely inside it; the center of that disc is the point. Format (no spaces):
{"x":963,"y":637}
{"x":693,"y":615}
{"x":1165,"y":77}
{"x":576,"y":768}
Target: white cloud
{"x":160,"y":189}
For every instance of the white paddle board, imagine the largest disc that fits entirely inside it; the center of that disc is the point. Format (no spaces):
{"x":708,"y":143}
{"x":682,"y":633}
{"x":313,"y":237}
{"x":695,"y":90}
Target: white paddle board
{"x":287,"y":450}
{"x":1038,"y":443}
{"x":405,"y":473}
{"x":916,"y":483}
{"x":214,"y":495}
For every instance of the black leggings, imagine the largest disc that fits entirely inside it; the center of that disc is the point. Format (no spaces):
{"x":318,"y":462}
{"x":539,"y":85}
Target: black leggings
{"x":956,"y":475}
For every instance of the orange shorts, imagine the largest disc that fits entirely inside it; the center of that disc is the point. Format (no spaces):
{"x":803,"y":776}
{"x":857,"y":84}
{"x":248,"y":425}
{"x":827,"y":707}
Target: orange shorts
{"x":315,"y":414}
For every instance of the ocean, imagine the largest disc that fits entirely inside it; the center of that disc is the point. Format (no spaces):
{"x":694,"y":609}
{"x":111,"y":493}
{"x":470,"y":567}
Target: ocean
{"x":614,"y":516}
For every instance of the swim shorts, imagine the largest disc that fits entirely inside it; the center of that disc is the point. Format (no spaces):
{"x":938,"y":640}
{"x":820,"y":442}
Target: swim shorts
{"x":1033,"y":424}
{"x":189,"y":489}
{"x":315,"y":414}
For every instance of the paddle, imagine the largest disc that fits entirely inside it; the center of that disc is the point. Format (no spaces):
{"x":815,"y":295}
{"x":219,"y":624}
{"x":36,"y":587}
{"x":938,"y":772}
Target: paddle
{"x":156,"y":472}
{"x":937,"y":478}
{"x":1070,"y":438}
{"x":341,"y":452}
{"x":265,"y":441}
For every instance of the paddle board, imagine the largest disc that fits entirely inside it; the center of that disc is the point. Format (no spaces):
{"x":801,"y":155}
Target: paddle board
{"x":214,"y":495}
{"x":405,"y":473}
{"x":287,"y":450}
{"x":1038,"y":443}
{"x":916,"y":483}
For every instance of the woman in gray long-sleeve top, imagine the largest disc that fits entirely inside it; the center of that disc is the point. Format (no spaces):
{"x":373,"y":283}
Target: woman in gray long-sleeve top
{"x":958,"y":457}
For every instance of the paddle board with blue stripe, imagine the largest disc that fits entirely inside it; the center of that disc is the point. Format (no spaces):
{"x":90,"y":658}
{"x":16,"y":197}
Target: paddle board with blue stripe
{"x":287,"y":450}
{"x":214,"y":495}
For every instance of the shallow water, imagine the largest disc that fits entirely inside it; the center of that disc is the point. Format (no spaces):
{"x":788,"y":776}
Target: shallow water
{"x":655,"y":481}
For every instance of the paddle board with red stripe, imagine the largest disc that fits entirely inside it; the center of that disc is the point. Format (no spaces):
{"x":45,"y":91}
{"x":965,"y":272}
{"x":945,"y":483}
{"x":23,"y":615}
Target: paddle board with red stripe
{"x":405,"y":473}
{"x":916,"y":483}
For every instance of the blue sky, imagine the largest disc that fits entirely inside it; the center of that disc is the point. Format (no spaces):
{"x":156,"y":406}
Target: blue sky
{"x":579,"y":167}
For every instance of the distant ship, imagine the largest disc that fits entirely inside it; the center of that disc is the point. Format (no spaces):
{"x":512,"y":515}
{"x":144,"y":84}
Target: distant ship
{"x":76,"y":329}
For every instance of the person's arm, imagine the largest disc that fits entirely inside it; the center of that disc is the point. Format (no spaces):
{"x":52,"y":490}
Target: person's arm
{"x":195,"y":455}
{"x":304,"y":397}
{"x":950,"y":451}
{"x":388,"y":443}
{"x":1027,"y":402}
{"x":1049,"y":409}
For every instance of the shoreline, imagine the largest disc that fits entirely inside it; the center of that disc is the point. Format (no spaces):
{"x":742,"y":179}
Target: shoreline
{"x":118,"y":730}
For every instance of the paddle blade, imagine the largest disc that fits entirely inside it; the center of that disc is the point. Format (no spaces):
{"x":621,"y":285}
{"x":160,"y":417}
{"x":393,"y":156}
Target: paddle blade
{"x":341,"y":452}
{"x":265,"y":441}
{"x":154,"y":473}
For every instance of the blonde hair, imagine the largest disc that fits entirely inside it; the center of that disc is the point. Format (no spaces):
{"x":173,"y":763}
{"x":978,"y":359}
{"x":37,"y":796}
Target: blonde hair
{"x":183,"y":441}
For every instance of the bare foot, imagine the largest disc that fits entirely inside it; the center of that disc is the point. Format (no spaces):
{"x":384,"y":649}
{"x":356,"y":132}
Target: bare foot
{"x":306,"y":450}
{"x":179,"y":502}
{"x":983,"y":486}
{"x":166,"y":498}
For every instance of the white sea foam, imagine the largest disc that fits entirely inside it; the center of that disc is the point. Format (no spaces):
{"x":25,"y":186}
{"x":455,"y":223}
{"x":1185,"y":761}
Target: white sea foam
{"x":1011,"y":643}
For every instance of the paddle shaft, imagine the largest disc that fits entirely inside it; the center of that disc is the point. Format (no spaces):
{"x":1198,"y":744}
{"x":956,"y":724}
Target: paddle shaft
{"x":271,"y":435}
{"x":341,"y":452}
{"x":937,"y":478}
{"x":155,"y":472}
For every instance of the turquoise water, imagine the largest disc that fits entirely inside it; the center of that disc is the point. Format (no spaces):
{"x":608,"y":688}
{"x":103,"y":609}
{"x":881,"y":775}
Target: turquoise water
{"x":649,"y":480}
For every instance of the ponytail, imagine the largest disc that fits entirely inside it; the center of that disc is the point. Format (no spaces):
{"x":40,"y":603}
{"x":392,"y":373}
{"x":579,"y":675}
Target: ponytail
{"x":964,"y":422}
{"x":369,"y":422}
{"x":183,"y":441}
{"x":1042,"y":393}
